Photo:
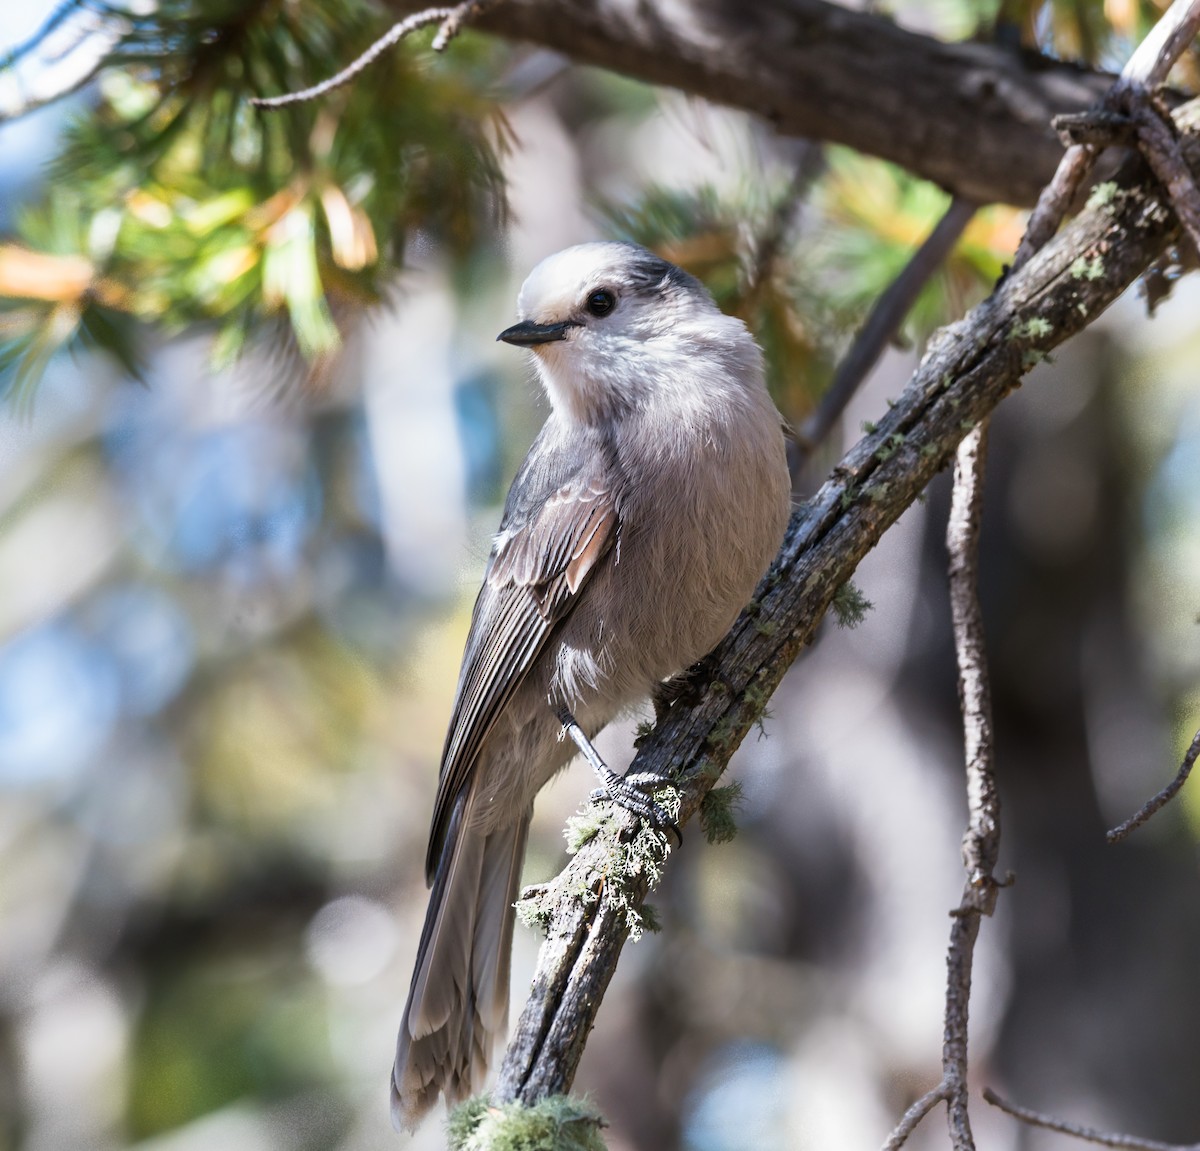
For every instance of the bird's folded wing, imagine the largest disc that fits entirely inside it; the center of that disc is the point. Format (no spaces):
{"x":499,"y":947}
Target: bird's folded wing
{"x":541,"y":560}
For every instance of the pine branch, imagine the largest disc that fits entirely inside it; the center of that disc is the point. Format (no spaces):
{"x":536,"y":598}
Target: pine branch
{"x":67,"y":51}
{"x":174,"y":203}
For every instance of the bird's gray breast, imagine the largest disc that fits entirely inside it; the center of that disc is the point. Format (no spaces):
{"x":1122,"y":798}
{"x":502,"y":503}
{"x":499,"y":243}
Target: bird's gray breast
{"x":702,"y":506}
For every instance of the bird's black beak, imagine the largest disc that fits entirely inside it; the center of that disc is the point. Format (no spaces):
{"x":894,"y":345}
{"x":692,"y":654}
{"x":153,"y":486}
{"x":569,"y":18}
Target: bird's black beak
{"x":527,"y":334}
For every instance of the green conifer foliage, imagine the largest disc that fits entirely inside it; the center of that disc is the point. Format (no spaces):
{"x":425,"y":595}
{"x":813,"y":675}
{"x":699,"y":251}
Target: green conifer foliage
{"x":177,"y":202}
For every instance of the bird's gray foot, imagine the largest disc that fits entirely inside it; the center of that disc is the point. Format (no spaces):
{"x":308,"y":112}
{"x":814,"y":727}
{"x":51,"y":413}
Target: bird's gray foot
{"x":627,"y":791}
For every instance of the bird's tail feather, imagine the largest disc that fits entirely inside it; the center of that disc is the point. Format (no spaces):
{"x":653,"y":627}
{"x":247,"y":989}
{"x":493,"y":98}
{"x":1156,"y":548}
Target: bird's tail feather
{"x":458,"y":1002}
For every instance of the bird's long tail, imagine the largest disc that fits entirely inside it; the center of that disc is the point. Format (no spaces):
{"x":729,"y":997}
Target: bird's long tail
{"x":458,"y":1002}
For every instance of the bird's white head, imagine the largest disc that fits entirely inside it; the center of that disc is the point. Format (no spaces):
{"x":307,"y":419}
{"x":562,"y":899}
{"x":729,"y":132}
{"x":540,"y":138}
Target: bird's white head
{"x":613,"y":327}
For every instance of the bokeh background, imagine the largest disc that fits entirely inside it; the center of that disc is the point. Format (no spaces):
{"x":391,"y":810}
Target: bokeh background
{"x":243,"y":511}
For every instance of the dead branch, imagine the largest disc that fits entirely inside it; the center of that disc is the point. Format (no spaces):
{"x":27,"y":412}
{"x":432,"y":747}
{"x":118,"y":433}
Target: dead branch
{"x":1161,"y":799}
{"x":1056,"y":200}
{"x":1077,"y":1131}
{"x":981,"y":842}
{"x":975,"y":118}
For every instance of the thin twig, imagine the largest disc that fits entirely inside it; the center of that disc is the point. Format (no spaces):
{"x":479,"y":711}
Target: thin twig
{"x":981,"y":843}
{"x":1168,"y":793}
{"x":809,"y":164}
{"x":883,"y":322}
{"x":1089,"y":1134}
{"x":1099,"y":128}
{"x":460,"y":14}
{"x":392,"y":36}
{"x":450,"y":19}
{"x":1054,"y":201}
{"x":1148,"y":67}
{"x":913,"y":1116}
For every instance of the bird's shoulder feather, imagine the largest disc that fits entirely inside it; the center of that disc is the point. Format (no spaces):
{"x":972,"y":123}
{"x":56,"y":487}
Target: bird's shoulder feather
{"x":561,"y":518}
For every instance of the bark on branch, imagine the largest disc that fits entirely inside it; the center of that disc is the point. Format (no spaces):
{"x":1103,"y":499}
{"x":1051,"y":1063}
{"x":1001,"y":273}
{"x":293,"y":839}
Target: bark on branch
{"x":974,"y":118}
{"x":969,"y":368}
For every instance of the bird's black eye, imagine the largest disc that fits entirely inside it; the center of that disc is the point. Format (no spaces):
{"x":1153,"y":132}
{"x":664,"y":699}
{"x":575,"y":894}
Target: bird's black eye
{"x":601,"y":302}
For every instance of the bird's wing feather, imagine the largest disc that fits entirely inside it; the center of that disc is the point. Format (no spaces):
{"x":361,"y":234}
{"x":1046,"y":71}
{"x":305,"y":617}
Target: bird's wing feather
{"x":560,"y":521}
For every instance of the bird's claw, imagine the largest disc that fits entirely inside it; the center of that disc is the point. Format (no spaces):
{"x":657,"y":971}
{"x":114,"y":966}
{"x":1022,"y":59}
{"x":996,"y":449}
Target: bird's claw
{"x":629,"y":792}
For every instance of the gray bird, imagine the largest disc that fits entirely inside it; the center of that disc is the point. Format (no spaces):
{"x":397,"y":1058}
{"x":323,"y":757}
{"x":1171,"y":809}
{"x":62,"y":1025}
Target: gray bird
{"x":649,"y":506}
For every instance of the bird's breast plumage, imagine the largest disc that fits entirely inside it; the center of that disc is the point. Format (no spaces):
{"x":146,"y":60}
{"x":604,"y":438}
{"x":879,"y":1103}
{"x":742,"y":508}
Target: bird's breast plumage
{"x":702,"y":509}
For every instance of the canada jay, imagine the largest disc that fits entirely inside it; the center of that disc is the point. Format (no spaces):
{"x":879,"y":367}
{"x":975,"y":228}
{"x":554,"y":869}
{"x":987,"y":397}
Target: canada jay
{"x":650,"y":504}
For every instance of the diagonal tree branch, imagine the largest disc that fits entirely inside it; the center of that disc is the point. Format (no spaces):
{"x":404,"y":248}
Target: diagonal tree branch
{"x":975,"y":117}
{"x":969,"y":368}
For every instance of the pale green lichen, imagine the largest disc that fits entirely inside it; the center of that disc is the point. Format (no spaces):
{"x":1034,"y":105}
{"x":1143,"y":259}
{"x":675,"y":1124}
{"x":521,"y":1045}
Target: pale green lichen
{"x":582,"y":828}
{"x":1103,"y":194}
{"x":628,"y":864}
{"x":1034,"y":328}
{"x":558,"y":1123}
{"x":1031,"y":357}
{"x":889,"y":447}
{"x":642,"y":858}
{"x":535,"y":912}
{"x":1087,"y":269}
{"x":722,"y":735}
